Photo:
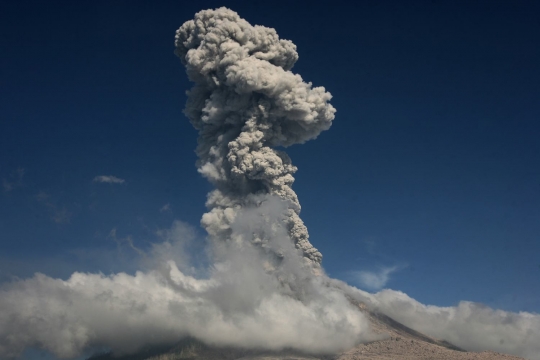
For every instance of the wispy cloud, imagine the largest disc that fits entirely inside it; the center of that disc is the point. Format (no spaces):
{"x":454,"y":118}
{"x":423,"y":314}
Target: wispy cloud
{"x":127,"y":240}
{"x":370,"y":245}
{"x":59,"y":214}
{"x":109,"y":179}
{"x":7,"y":185}
{"x":374,"y":280}
{"x":166,"y":207}
{"x":14,"y":180}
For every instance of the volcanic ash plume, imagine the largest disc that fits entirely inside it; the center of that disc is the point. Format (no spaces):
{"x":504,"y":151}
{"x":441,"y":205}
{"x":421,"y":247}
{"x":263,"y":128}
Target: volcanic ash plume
{"x":245,"y":102}
{"x":259,"y":290}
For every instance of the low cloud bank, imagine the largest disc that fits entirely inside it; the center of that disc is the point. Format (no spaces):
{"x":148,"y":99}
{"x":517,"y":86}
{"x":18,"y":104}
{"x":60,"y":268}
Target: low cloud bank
{"x":471,"y":326}
{"x":242,"y":302}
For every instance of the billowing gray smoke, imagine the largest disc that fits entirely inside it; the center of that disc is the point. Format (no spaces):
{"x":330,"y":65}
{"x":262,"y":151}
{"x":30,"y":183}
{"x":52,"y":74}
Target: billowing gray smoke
{"x":246,"y":101}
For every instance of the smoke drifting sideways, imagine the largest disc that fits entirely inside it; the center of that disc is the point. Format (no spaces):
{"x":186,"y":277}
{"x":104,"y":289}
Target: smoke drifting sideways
{"x":239,"y":303}
{"x":265,"y":287}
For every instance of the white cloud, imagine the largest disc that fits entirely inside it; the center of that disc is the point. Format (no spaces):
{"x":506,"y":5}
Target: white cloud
{"x":373,"y":280}
{"x":238,"y":303}
{"x":108,"y":179}
{"x":166,"y":207}
{"x":469,"y":325}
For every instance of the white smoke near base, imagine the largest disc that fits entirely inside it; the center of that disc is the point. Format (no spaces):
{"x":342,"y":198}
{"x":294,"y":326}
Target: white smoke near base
{"x":240,"y":303}
{"x":471,"y":326}
{"x":265,"y":288}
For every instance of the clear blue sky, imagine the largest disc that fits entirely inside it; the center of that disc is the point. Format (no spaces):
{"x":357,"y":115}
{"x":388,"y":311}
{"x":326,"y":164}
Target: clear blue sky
{"x":431,"y":166}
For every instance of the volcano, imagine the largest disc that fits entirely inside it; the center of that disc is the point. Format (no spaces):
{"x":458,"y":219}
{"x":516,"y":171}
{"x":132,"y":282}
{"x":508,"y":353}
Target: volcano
{"x":260,"y":290}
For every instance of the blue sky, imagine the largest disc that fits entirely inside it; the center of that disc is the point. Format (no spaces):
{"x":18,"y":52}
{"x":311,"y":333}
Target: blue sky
{"x":428,"y":180}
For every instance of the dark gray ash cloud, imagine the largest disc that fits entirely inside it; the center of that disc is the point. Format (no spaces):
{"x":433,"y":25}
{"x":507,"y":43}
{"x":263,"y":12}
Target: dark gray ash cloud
{"x":245,"y":102}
